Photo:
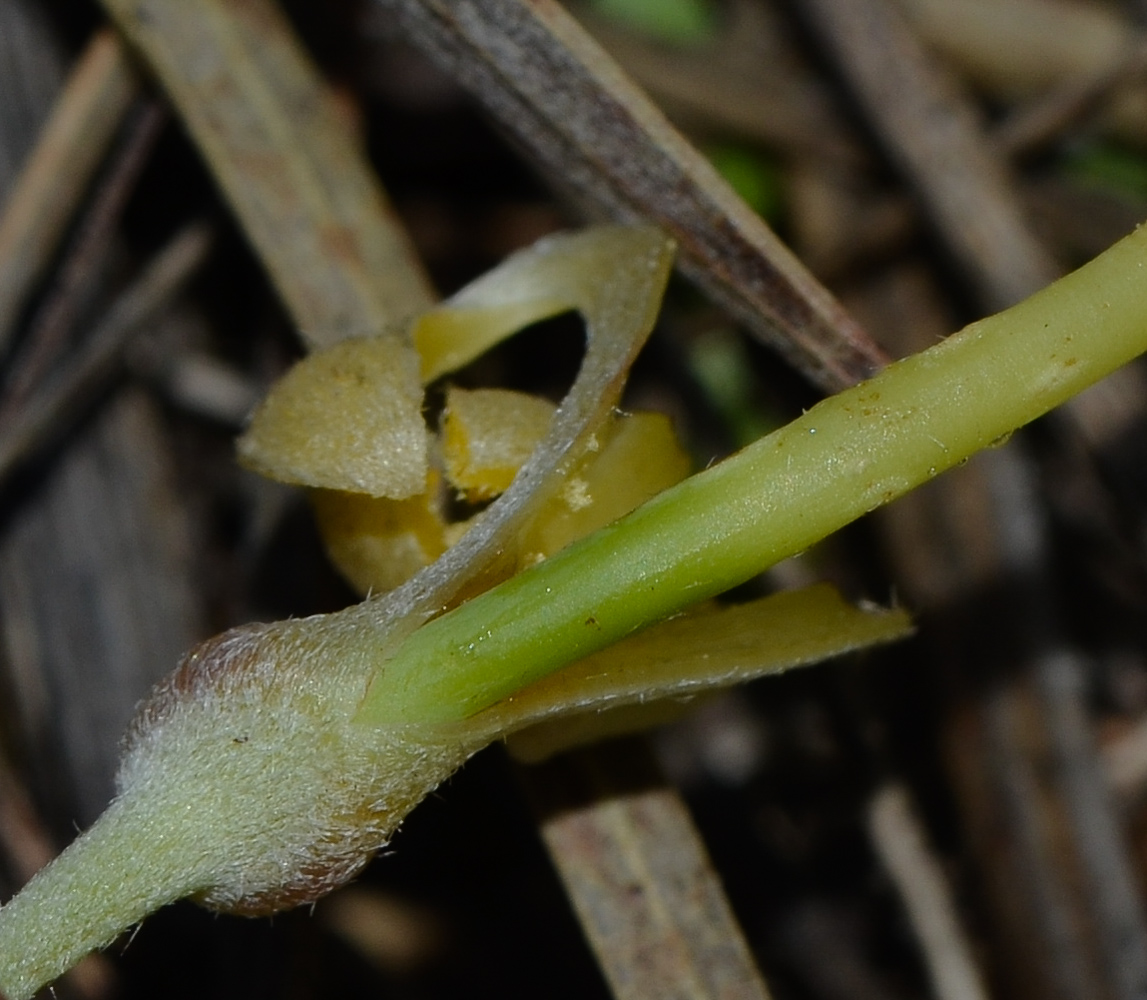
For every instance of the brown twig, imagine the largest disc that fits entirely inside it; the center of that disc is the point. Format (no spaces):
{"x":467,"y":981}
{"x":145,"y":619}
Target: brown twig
{"x":639,"y":878}
{"x":1026,"y":772}
{"x":748,"y":80}
{"x":1023,"y":48}
{"x":601,"y":139}
{"x":41,"y":202}
{"x":1125,"y":762}
{"x":198,"y":383}
{"x":1109,"y":900}
{"x":292,"y":172}
{"x":84,"y":259}
{"x":24,"y":842}
{"x":1115,"y":904}
{"x":901,"y":843}
{"x":47,"y":411}
{"x":932,"y":134}
{"x":1035,"y":125}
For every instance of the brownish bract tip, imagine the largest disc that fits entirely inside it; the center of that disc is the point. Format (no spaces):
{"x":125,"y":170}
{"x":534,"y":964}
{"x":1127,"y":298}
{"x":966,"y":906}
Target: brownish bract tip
{"x":206,"y":669}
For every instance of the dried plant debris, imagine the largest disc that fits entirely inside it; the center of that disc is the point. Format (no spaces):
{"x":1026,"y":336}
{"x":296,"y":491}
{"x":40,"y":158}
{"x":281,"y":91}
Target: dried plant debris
{"x":961,"y":814}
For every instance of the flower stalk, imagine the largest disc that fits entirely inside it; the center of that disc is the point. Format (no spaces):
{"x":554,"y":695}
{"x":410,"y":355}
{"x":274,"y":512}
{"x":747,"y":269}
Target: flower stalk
{"x":846,"y":456}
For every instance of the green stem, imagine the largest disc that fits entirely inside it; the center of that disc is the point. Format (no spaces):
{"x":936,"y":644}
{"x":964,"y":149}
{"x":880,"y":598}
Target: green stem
{"x":123,"y":868}
{"x":846,"y":456}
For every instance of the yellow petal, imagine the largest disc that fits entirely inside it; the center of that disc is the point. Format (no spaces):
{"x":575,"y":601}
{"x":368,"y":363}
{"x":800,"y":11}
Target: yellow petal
{"x":635,"y":457}
{"x":453,"y":335}
{"x":487,"y":435}
{"x":614,"y":277}
{"x":378,"y":543}
{"x":347,"y":418}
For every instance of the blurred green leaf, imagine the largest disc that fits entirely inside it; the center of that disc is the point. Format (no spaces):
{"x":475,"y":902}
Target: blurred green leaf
{"x":752,"y":175}
{"x":679,"y":22}
{"x":1112,"y":168}
{"x":719,"y":361}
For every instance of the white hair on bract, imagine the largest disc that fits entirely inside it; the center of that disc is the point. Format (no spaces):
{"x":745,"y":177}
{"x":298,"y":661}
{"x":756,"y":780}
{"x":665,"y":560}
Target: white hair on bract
{"x":253,"y":740}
